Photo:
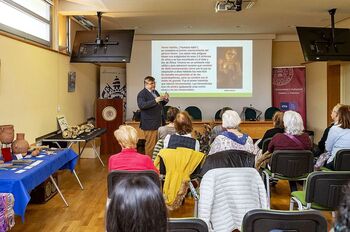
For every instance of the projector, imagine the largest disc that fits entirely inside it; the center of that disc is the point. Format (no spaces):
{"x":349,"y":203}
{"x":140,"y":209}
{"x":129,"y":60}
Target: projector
{"x":233,"y":5}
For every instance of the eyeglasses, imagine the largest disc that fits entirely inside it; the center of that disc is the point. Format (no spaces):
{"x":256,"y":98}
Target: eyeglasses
{"x":150,"y":83}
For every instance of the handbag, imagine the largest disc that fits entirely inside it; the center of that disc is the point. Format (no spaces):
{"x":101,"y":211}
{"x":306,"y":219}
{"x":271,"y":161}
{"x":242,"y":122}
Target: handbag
{"x":321,"y":160}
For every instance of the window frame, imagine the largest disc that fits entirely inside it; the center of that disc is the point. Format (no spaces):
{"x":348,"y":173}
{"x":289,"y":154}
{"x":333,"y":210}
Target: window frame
{"x":23,"y":34}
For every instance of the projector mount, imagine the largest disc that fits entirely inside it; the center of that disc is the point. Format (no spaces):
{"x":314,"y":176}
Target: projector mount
{"x":328,"y":41}
{"x":100,"y":42}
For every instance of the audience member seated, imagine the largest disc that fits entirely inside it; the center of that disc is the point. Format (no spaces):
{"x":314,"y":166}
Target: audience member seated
{"x":218,"y":128}
{"x":136,"y":205}
{"x":168,"y":129}
{"x":292,"y":139}
{"x":128,"y":159}
{"x":232,"y":138}
{"x":342,"y":223}
{"x":339,"y":135}
{"x":182,"y":137}
{"x":322,"y":143}
{"x":278,"y":127}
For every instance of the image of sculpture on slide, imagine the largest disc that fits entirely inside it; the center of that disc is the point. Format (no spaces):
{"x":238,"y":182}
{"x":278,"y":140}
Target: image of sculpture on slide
{"x":229,"y":67}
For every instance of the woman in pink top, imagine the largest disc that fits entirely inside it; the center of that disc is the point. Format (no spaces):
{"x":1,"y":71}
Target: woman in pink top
{"x":129,"y":159}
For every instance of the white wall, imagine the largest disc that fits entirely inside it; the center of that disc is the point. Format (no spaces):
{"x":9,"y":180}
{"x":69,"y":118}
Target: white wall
{"x":316,"y":98}
{"x":140,"y":67}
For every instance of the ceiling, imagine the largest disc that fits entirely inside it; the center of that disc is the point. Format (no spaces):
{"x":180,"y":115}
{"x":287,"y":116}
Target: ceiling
{"x":199,"y":17}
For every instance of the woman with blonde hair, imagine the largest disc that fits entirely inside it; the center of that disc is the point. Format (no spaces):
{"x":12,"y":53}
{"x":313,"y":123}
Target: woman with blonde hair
{"x":129,"y":159}
{"x":232,"y":138}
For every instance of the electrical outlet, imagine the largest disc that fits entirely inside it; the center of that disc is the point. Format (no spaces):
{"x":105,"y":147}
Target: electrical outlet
{"x":58,"y":108}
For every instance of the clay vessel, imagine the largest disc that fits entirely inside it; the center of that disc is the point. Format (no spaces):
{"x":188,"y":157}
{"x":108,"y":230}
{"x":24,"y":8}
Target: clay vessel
{"x":20,"y":145}
{"x":7,"y":134}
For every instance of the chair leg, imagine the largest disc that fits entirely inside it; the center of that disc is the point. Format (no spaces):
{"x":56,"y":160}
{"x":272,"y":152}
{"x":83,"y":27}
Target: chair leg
{"x":300,"y":206}
{"x":267,"y":181}
{"x":291,"y":204}
{"x":196,"y":198}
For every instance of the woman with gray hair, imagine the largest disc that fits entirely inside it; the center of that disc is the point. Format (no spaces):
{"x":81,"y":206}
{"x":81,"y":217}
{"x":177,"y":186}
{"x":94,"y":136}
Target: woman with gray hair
{"x":293,"y":137}
{"x":232,"y":138}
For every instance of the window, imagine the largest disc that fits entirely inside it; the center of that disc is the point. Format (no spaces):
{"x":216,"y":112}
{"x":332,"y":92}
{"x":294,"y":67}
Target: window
{"x":30,"y":19}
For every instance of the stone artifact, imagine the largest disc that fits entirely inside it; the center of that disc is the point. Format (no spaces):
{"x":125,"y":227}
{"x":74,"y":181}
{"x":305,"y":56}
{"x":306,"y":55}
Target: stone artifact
{"x":20,"y":145}
{"x":6,"y":134}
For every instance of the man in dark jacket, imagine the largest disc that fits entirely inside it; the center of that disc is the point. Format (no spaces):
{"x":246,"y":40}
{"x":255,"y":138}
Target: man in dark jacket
{"x":151,"y":106}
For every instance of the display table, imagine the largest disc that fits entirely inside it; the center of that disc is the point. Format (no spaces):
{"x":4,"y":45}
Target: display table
{"x":85,"y":137}
{"x":20,"y":183}
{"x":255,"y":129}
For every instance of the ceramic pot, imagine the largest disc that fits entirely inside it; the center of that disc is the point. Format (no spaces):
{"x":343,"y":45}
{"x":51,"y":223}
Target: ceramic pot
{"x":20,"y":145}
{"x":7,"y":134}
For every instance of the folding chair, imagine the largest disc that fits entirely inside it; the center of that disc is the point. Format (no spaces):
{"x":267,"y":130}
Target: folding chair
{"x":260,"y":220}
{"x":187,"y":225}
{"x":323,"y":191}
{"x":117,"y":175}
{"x":291,"y":165}
{"x":341,"y":161}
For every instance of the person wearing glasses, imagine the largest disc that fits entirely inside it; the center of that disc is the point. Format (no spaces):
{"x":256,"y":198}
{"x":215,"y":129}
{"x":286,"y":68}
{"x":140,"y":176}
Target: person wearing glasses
{"x":151,"y":105}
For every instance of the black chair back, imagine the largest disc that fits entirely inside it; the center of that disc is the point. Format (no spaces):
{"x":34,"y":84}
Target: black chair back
{"x":260,"y":220}
{"x":194,"y":112}
{"x":228,"y":159}
{"x":269,"y":112}
{"x":117,"y":175}
{"x":250,"y":114}
{"x":187,"y":225}
{"x":265,"y":145}
{"x":342,"y":160}
{"x":292,"y":163}
{"x":217,"y":115}
{"x":326,"y":188}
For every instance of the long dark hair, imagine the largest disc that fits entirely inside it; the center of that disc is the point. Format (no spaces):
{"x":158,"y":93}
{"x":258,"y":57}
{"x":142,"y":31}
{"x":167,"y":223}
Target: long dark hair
{"x":343,"y":214}
{"x":137,"y":205}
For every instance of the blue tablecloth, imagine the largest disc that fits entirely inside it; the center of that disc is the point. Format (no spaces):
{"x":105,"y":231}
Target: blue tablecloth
{"x":20,"y":184}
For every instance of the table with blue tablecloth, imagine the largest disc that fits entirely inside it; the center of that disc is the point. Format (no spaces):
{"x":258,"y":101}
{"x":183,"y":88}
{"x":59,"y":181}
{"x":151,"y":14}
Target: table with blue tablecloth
{"x":20,"y":184}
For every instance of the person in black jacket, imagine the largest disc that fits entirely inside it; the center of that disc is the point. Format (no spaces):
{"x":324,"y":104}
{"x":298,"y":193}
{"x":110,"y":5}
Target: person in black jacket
{"x":151,"y":104}
{"x":277,"y":120}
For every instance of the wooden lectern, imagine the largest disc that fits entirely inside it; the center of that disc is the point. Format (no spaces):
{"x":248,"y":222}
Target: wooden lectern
{"x":109,"y":115}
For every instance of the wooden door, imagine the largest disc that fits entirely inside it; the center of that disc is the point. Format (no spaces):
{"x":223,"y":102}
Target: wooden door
{"x":333,"y":89}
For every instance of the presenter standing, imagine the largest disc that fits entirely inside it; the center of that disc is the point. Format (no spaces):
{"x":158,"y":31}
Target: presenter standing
{"x":151,"y":105}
